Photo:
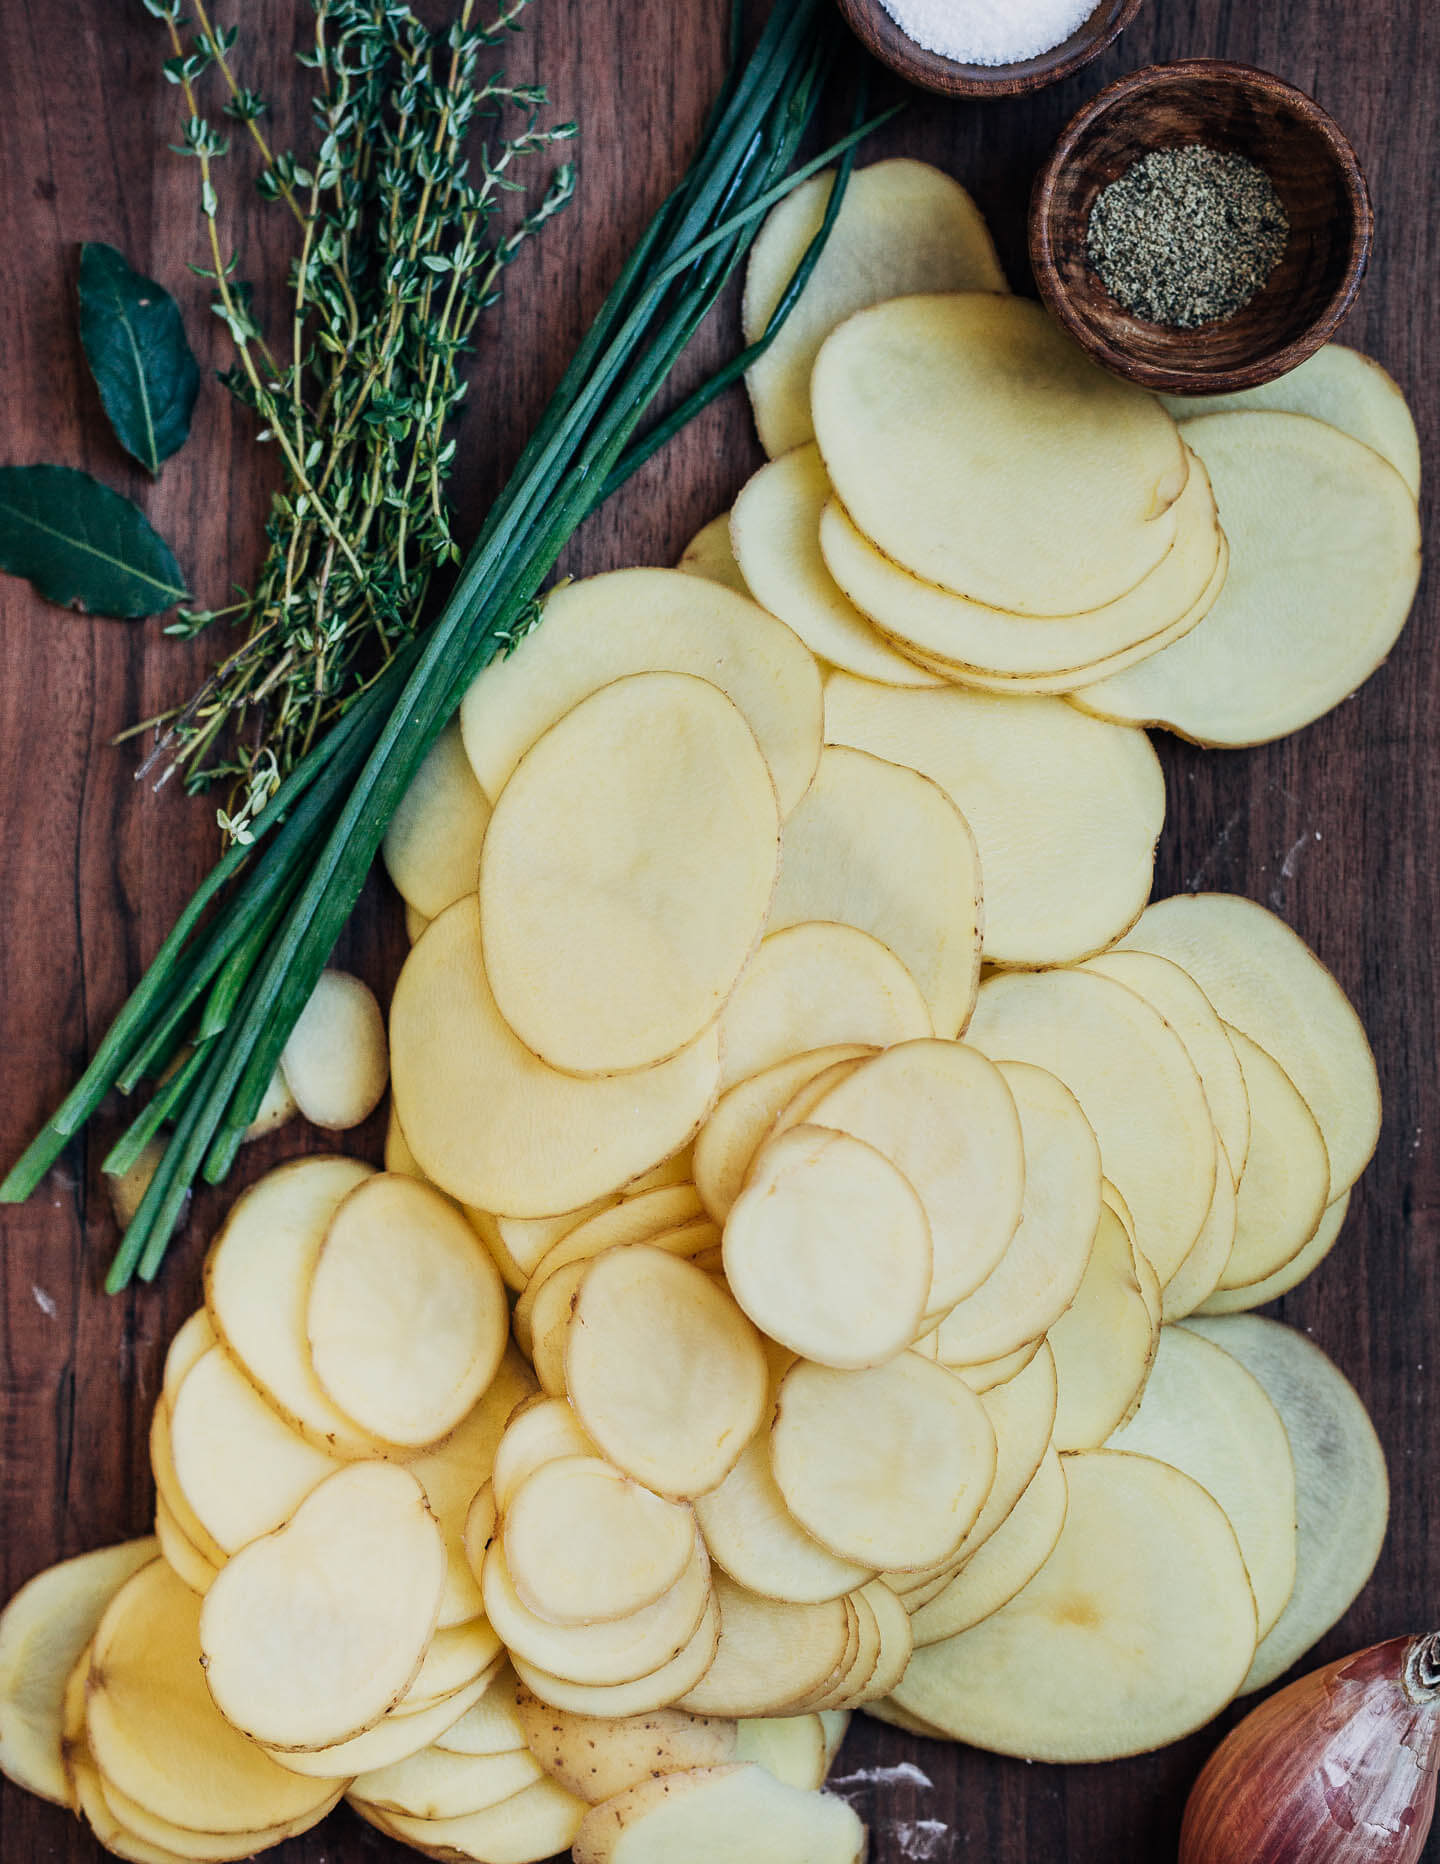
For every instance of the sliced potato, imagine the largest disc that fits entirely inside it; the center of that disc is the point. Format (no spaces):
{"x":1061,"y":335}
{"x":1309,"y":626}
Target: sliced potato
{"x":520,"y":1244}
{"x":336,"y":1063}
{"x":626,"y":874}
{"x":1007,"y":1562}
{"x":1264,"y":980}
{"x":771,"y":1652}
{"x":536,"y":1434}
{"x":176,"y":1841}
{"x":277,"y":1108}
{"x":168,"y":1489}
{"x":1066,"y":821}
{"x":1342,"y":1491}
{"x":638,"y":1219}
{"x":664,"y":1371}
{"x":791,"y":1747}
{"x":415,"y":923}
{"x":1135,"y":1631}
{"x":596,"y":1758}
{"x":897,"y":1641}
{"x":1256,"y":1294}
{"x":814,"y":985}
{"x":392,"y":1738}
{"x":709,"y":556}
{"x":431,"y":849}
{"x":1200,"y":1272}
{"x":880,"y":847}
{"x":434,"y":1784}
{"x":523,"y":1829}
{"x":982,"y":449}
{"x":644,"y":621}
{"x":990,"y":1373}
{"x":716,"y":1814}
{"x":312,"y":1633}
{"x":1103,"y":1344}
{"x":1135,"y":1083}
{"x":888,"y":1467}
{"x":903,"y":226}
{"x":1286,"y":1183}
{"x":658,"y":1690}
{"x":194,"y":1337}
{"x":180,"y":1553}
{"x":1324,"y":562}
{"x":758,"y":1542}
{"x":493,"y":1726}
{"x":480,"y":1111}
{"x":455,"y":1659}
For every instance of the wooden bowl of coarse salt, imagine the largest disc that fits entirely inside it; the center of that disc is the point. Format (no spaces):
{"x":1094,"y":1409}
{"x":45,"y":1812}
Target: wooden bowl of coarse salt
{"x":986,"y":48}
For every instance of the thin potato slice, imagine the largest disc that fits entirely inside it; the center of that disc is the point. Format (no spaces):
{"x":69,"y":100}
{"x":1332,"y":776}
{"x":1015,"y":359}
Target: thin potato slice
{"x":775,"y":531}
{"x":535,"y":1435}
{"x":658,"y":1690}
{"x":434,"y":1784}
{"x":1007,"y":1562}
{"x":1206,"y":1415}
{"x":595,"y":1758}
{"x":194,"y":1338}
{"x":169,"y":1491}
{"x":790,"y":1747}
{"x":861,"y":1657}
{"x":455,"y":1659}
{"x":814,"y":985}
{"x":1103,"y":1344}
{"x":1200,"y":1272}
{"x":481,"y":1112}
{"x":1066,"y":821}
{"x":744,"y":1116}
{"x":827,"y":1249}
{"x":990,"y":1373}
{"x":889,"y":1467}
{"x":626,"y":874}
{"x":715,"y":1815}
{"x":638,"y":1219}
{"x":709,"y":556}
{"x":523,"y":1829}
{"x":880,"y":847}
{"x":1324,"y":562}
{"x":758,"y":1542}
{"x":1264,"y":980}
{"x":645,"y":621}
{"x":1257,"y":1294}
{"x":180,"y":1553}
{"x":520,"y":1244}
{"x":771,"y":1652}
{"x":311,"y":1634}
{"x":336,"y":1063}
{"x":407,"y":1317}
{"x":944,"y":1116}
{"x":493,"y":1726}
{"x":1040,"y":1272}
{"x":1136,"y":1630}
{"x":1135,"y":1083}
{"x":393,"y":1738}
{"x":902,"y":227}
{"x":1286,"y":1184}
{"x":138,"y":1821}
{"x":415,"y":923}
{"x":897,"y":1640}
{"x":257,"y":1284}
{"x":980,"y":447}
{"x":431,"y":849}
{"x":1342,"y":1490}
{"x":664,"y":1371}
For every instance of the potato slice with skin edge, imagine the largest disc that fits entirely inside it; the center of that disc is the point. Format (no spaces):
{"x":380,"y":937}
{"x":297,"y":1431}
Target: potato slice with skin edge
{"x":1286,"y":1185}
{"x":664,"y":1371}
{"x":537,"y":1433}
{"x":194,"y":1338}
{"x":493,"y":1726}
{"x":709,"y":556}
{"x":1324,"y":564}
{"x":880,"y":847}
{"x":979,"y":447}
{"x":1198,"y":1274}
{"x":1134,"y":1632}
{"x":633,"y":1220}
{"x":991,"y":1373}
{"x":945,"y":1118}
{"x":862,"y":1653}
{"x":152,"y":1726}
{"x":1066,"y":821}
{"x":585,"y":1542}
{"x":827,"y":1249}
{"x":257,"y":1281}
{"x":1005,"y":1565}
{"x":1135,"y":1083}
{"x":431,"y":849}
{"x":903,"y":226}
{"x":770,"y":1653}
{"x":180,"y":1553}
{"x":897,"y":1641}
{"x":455,"y":1659}
{"x":1211,"y":1419}
{"x":1264,"y":980}
{"x":407,"y":1317}
{"x":715,"y":1815}
{"x":520,"y":1244}
{"x":1103,"y":1344}
{"x":1256,"y":1294}
{"x":1341,"y":1486}
{"x":648,"y":620}
{"x":393,"y":1738}
{"x":743,"y":1117}
{"x":812,"y":986}
{"x":415,"y":923}
{"x":169,"y":1491}
{"x":890,"y":1466}
{"x":336,"y":1062}
{"x":1040,"y":1272}
{"x":435,"y":1785}
{"x":755,"y":1539}
{"x":790,"y":1747}
{"x":951,"y":631}
{"x":595,"y":1758}
{"x":138,"y":1821}
{"x":525,"y":1828}
{"x":775,"y":534}
{"x":627,"y":873}
{"x":480,"y":1111}
{"x":311,"y":1634}
{"x":45,"y":1629}
{"x":659,"y":1690}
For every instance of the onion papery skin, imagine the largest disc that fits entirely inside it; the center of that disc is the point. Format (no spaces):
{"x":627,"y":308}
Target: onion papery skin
{"x":1338,"y":1768}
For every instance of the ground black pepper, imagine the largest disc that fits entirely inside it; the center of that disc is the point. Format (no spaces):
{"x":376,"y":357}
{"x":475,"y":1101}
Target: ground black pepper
{"x":1187,"y":235}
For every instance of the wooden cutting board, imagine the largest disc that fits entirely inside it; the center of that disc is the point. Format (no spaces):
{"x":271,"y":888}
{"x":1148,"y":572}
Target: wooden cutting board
{"x":1337,"y":829}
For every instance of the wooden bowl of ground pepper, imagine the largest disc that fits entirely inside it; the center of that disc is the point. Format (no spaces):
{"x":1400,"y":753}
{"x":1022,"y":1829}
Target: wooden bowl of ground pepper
{"x":1200,"y":227}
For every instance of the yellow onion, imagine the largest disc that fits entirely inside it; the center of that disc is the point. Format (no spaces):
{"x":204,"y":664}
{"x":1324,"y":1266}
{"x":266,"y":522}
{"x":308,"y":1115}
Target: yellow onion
{"x":1337,"y":1769}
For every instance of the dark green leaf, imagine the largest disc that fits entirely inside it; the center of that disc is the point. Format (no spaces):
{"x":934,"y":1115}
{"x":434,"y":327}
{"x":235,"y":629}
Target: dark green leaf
{"x":82,"y":545}
{"x":136,"y":346}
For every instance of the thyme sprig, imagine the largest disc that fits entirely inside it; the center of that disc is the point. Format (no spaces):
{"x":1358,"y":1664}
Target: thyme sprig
{"x":417,"y":148}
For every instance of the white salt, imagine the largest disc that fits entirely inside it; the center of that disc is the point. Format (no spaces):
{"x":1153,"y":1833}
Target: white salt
{"x":989,"y":32}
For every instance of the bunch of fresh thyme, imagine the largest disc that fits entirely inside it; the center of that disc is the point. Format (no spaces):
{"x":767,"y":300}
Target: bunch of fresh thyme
{"x":397,"y":258}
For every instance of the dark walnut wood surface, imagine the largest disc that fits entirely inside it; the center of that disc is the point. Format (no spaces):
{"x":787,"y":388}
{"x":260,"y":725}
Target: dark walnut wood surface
{"x":1337,"y":829}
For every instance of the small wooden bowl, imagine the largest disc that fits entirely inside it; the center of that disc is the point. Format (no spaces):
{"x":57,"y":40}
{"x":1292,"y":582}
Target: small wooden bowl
{"x":875,"y":29}
{"x":1236,"y":109}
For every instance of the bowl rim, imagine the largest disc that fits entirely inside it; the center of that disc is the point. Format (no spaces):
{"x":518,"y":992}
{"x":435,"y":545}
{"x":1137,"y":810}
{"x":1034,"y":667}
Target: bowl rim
{"x":948,"y":77}
{"x":1178,"y":379}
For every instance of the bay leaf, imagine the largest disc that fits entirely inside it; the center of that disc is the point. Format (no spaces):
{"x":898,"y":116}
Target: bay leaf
{"x":82,"y":545}
{"x":137,"y":350}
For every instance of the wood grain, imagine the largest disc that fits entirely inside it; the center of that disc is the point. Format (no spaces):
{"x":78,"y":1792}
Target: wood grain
{"x":1338,"y":828}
